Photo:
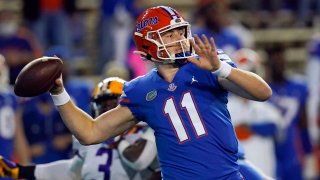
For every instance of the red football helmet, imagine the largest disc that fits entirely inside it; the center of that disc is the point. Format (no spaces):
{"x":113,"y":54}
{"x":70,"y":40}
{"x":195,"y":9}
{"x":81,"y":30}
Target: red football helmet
{"x":151,"y":24}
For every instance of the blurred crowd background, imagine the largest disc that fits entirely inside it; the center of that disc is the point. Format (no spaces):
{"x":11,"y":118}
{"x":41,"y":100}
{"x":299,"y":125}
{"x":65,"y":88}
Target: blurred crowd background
{"x":94,"y":39}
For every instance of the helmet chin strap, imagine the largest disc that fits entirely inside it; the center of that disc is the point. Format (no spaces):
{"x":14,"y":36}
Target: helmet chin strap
{"x":184,"y":60}
{"x":187,"y":53}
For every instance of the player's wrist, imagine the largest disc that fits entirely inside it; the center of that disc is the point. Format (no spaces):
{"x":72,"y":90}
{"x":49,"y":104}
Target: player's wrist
{"x":60,"y":99}
{"x":224,"y":70}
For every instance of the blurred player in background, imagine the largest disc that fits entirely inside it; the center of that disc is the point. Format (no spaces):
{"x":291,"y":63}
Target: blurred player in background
{"x":17,"y":44}
{"x":129,"y":156}
{"x":256,"y":123}
{"x":12,"y":137}
{"x":293,"y":148}
{"x":212,"y":18}
{"x":49,"y":139}
{"x":184,"y":100}
{"x":313,"y":79}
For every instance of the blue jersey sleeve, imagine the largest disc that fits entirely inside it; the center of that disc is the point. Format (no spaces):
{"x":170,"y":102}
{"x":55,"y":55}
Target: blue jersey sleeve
{"x":224,"y":57}
{"x":127,"y":99}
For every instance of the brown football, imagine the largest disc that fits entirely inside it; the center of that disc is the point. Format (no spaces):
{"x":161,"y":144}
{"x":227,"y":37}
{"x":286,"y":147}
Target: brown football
{"x":38,"y":76}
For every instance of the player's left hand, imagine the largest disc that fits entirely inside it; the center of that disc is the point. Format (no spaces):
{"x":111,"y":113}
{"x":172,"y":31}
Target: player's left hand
{"x":8,"y":168}
{"x":207,"y":52}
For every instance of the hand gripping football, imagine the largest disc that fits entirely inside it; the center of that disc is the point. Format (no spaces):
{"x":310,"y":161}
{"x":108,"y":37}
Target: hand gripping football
{"x":38,"y":76}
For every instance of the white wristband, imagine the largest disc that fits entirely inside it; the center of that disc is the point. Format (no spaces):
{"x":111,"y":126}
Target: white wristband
{"x":224,"y":70}
{"x":60,"y":99}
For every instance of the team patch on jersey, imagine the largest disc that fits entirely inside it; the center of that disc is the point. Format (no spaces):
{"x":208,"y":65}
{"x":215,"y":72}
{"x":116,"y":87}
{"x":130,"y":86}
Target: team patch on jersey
{"x":172,"y":87}
{"x":151,"y":95}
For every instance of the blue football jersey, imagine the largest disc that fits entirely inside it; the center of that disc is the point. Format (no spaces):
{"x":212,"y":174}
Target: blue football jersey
{"x":288,"y":98}
{"x":194,"y":134}
{"x":8,"y":105}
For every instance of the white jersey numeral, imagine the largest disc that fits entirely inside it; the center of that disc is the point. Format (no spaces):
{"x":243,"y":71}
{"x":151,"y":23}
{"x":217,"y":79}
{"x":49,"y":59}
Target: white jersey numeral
{"x":7,"y":122}
{"x":187,"y":103}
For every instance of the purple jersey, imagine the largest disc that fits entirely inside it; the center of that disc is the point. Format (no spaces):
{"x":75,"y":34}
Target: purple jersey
{"x":194,"y":134}
{"x":8,"y":105}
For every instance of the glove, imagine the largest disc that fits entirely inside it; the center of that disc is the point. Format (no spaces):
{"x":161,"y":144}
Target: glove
{"x":8,"y":168}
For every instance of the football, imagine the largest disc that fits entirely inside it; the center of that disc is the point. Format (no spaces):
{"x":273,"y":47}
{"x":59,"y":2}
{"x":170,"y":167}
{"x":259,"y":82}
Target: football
{"x":38,"y":76}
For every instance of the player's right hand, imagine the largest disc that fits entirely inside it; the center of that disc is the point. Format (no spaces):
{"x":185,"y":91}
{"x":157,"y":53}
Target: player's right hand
{"x":8,"y":168}
{"x":58,"y":86}
{"x":206,"y":50}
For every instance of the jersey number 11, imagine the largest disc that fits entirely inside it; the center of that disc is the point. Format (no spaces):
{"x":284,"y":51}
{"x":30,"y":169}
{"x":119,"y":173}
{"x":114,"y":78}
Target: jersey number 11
{"x":187,"y":103}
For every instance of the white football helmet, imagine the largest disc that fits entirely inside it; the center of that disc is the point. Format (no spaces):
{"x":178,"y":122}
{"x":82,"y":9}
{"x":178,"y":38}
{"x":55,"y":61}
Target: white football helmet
{"x":4,"y":72}
{"x":249,"y":60}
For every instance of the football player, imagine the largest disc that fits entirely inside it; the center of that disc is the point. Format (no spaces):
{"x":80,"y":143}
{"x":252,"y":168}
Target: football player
{"x":256,"y":123}
{"x":12,"y":137}
{"x":290,"y":96}
{"x":129,"y":156}
{"x":184,"y":100}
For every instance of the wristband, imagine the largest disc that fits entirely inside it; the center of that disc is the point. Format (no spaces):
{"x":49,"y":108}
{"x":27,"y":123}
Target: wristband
{"x":60,"y":99}
{"x":224,"y":70}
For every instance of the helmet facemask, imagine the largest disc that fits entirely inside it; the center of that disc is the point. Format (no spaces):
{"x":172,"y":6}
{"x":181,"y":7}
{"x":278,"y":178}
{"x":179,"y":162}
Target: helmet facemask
{"x":103,"y":104}
{"x":182,"y":46}
{"x":106,"y":95}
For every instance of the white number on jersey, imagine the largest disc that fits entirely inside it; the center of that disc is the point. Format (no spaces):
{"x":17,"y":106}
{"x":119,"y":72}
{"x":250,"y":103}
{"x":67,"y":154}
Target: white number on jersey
{"x":7,"y":122}
{"x":187,"y":103}
{"x":289,"y":107}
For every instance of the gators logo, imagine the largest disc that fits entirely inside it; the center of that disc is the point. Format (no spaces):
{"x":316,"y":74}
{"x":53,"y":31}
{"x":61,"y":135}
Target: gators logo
{"x":151,"y":95}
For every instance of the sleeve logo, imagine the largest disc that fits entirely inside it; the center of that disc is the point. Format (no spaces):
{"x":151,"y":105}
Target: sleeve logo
{"x":151,"y":95}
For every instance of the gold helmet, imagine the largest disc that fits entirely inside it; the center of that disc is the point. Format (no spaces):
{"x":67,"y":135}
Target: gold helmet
{"x":105,"y":95}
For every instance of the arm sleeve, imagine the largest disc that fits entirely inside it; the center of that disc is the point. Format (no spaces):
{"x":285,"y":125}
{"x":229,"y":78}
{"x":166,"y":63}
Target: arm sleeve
{"x":128,"y":98}
{"x":58,"y":170}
